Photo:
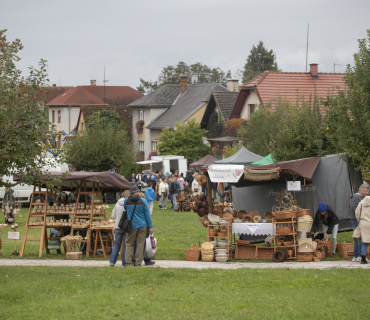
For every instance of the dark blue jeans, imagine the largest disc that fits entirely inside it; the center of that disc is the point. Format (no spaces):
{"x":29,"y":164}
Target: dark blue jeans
{"x":119,"y":237}
{"x":357,"y":245}
{"x":363,"y":248}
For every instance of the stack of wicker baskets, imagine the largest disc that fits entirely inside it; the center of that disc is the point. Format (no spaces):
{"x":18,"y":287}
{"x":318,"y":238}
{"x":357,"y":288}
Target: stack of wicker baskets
{"x":208,"y":254}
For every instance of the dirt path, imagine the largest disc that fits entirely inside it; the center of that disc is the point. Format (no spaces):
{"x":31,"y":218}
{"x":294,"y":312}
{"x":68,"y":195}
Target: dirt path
{"x":323,"y":265}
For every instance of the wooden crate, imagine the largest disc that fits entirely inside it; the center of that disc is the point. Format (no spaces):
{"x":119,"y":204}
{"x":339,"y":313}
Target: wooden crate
{"x":265,"y":252}
{"x":245,"y":252}
{"x":73,"y":255}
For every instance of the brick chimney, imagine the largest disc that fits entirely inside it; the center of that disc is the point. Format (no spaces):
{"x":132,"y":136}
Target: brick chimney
{"x":233,"y":85}
{"x":183,"y":84}
{"x":93,"y":83}
{"x":314,"y":70}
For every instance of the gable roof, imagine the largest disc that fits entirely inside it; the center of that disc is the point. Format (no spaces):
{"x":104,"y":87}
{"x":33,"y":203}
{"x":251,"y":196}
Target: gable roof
{"x":224,"y":100}
{"x":115,"y":95}
{"x":51,"y":92}
{"x":272,"y":86}
{"x":185,"y":105}
{"x":243,"y":156}
{"x":164,"y":96}
{"x":76,"y":96}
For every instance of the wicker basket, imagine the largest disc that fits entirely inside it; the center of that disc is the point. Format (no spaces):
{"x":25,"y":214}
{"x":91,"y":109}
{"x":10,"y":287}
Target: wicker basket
{"x":303,"y":212}
{"x":328,"y":244}
{"x":213,"y":232}
{"x":350,"y":255}
{"x":301,"y":255}
{"x":228,"y":217}
{"x":288,"y":243}
{"x":256,"y":219}
{"x":264,"y":253}
{"x":241,"y":213}
{"x":254,"y":213}
{"x":343,"y":249}
{"x":284,"y":230}
{"x":268,"y":216}
{"x":306,"y":247}
{"x":305,"y":224}
{"x":193,"y":254}
{"x":320,"y":253}
{"x":307,"y":257}
{"x":285,"y":214}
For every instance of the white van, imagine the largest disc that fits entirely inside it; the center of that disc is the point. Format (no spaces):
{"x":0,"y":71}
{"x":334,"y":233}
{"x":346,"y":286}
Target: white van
{"x":23,"y":192}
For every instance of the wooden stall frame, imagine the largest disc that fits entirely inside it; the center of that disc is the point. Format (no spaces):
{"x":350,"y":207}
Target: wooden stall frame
{"x":229,"y":238}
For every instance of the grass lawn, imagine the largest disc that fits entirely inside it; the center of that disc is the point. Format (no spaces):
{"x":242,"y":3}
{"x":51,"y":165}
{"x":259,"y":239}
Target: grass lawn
{"x":174,"y":232}
{"x":153,"y":293}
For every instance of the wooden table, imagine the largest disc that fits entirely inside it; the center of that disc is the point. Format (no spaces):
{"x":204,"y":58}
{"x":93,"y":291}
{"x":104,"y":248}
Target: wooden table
{"x":98,"y":236}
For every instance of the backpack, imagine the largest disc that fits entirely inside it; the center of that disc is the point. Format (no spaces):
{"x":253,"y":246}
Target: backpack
{"x":124,"y":223}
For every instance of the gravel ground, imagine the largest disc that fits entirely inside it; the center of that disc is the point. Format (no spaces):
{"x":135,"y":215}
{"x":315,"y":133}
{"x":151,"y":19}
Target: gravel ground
{"x":323,"y":265}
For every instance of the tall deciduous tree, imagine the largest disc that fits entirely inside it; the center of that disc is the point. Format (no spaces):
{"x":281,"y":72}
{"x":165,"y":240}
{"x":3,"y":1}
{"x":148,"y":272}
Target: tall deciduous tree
{"x":259,"y":60}
{"x":101,"y":148}
{"x":350,"y":110}
{"x":23,"y":125}
{"x":186,"y":140}
{"x":171,"y":74}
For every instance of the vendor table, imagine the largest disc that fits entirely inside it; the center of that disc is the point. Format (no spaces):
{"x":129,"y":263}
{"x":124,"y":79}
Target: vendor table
{"x":98,"y":237}
{"x":253,"y":229}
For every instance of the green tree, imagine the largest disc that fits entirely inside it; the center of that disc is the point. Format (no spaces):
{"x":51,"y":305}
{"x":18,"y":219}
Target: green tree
{"x":259,"y":60}
{"x":257,"y":132}
{"x":24,"y":129}
{"x":231,"y":150}
{"x":171,"y":74}
{"x":350,"y":110}
{"x":105,"y":118}
{"x":302,"y":133}
{"x":216,"y":127}
{"x":186,"y":140}
{"x":101,"y":148}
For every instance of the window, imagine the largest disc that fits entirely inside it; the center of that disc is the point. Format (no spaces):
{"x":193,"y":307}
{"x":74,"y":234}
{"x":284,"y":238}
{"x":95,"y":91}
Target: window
{"x":53,"y":116}
{"x":141,"y":145}
{"x":251,"y":108}
{"x":154,"y":146}
{"x":141,"y":112}
{"x":59,"y":116}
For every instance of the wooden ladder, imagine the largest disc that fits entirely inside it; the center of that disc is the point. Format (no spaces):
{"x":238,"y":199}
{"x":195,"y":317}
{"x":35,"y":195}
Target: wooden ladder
{"x":95,"y":190}
{"x":43,"y":237}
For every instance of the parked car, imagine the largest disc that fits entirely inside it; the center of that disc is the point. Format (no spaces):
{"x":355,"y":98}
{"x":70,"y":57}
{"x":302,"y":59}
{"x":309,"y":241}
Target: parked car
{"x":23,"y":192}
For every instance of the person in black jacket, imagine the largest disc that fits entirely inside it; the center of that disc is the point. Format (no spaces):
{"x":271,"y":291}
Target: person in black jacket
{"x":330,"y":223}
{"x":174,"y":192}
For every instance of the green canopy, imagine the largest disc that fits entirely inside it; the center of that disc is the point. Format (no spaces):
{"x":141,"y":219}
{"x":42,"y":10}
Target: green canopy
{"x":266,"y":160}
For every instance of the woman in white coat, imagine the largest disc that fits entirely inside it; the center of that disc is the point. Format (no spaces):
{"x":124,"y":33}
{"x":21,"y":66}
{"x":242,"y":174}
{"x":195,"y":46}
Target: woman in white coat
{"x":163,"y":194}
{"x":363,"y":218}
{"x":197,"y":189}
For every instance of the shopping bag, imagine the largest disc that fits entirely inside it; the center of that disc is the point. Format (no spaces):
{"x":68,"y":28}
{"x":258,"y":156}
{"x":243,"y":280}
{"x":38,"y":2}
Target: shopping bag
{"x":150,"y":247}
{"x":357,"y":235}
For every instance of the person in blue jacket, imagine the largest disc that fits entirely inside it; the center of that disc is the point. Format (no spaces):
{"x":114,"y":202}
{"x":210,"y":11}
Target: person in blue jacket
{"x":140,"y":222}
{"x":149,"y":197}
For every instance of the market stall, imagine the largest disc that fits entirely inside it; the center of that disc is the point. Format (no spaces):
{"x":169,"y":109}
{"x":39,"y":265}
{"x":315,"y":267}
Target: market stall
{"x":83,"y":217}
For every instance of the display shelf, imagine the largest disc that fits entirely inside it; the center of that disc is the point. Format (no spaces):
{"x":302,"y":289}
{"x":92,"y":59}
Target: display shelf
{"x":290,"y":221}
{"x":228,"y":237}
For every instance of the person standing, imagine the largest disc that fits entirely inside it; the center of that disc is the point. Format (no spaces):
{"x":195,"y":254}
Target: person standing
{"x":181,"y":181}
{"x":195,"y":185}
{"x":363,"y":218}
{"x":119,"y":235}
{"x":174,"y":192}
{"x":355,"y":200}
{"x":140,"y":221}
{"x":132,"y":180}
{"x":330,"y":223}
{"x":149,"y":196}
{"x":8,"y":201}
{"x":163,"y":192}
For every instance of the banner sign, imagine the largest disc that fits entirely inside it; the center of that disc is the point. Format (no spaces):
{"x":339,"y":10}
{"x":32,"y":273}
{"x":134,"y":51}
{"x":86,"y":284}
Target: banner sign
{"x":225,"y":173}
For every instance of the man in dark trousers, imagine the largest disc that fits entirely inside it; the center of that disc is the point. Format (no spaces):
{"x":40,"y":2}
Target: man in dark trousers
{"x":355,"y":200}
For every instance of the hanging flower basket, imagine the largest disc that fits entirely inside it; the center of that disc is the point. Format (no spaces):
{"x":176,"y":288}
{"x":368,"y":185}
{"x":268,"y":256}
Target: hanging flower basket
{"x":139,"y":126}
{"x":151,"y":154}
{"x":140,"y":156}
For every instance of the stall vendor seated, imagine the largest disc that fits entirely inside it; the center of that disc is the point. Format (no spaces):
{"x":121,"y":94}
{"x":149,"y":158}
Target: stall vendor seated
{"x":330,"y":223}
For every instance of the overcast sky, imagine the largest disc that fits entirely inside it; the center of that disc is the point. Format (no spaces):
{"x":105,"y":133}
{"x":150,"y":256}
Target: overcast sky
{"x":136,"y":39}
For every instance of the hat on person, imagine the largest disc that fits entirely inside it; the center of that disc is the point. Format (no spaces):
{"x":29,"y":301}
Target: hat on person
{"x":167,"y":172}
{"x":134,"y":189}
{"x":322,"y":207}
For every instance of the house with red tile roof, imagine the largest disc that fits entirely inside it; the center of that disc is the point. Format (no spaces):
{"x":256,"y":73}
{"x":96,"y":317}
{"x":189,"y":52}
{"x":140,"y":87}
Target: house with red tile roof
{"x":269,"y":88}
{"x":66,"y":108}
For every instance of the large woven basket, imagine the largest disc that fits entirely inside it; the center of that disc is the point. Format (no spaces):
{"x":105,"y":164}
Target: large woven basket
{"x":193,"y":254}
{"x":306,"y":247}
{"x":285,"y":214}
{"x":268,"y":216}
{"x":343,"y":249}
{"x":305,"y":224}
{"x":284,"y":230}
{"x":303,"y":212}
{"x":241,"y":213}
{"x":328,"y":244}
{"x":254,"y":213}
